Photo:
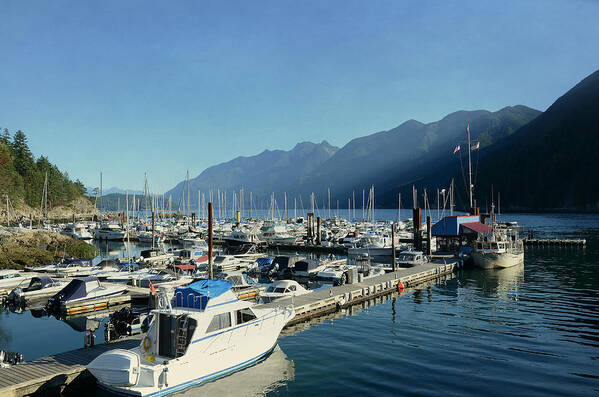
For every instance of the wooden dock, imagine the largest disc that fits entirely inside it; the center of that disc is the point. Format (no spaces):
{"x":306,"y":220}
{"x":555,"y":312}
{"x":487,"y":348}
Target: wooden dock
{"x":564,"y":242}
{"x":56,"y":370}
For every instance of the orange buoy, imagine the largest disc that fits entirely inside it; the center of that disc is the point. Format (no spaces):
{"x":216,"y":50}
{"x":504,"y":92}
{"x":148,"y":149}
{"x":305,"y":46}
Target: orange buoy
{"x":399,"y":287}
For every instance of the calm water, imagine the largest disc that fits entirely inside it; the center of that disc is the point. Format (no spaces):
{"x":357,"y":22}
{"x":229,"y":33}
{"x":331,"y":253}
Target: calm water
{"x":531,"y":330}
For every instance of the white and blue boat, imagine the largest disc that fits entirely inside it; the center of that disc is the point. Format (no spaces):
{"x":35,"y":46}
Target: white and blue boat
{"x":84,"y":289}
{"x":204,"y":332}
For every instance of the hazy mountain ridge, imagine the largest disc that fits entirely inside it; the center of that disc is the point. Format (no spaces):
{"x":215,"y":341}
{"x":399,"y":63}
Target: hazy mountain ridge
{"x":363,"y":161}
{"x":262,"y":173}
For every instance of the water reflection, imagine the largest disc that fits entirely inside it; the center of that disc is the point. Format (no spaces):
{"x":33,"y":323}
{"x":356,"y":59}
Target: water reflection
{"x":274,"y":372}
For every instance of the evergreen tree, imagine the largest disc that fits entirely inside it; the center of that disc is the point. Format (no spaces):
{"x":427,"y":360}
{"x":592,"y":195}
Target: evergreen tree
{"x":23,"y":157}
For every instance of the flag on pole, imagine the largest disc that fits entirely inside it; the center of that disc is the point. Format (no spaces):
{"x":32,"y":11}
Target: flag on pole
{"x":457,"y":149}
{"x":152,"y":289}
{"x":476,"y":146}
{"x":468,"y":129}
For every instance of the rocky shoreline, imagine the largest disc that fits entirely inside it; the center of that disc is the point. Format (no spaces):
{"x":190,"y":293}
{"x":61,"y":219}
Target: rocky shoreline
{"x":20,"y":248}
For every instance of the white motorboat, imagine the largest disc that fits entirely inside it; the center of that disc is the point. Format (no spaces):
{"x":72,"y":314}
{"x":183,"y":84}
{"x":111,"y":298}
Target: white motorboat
{"x":37,"y":287}
{"x":311,"y":267}
{"x":110,"y":231}
{"x":78,"y":231}
{"x":192,"y":240}
{"x":409,"y":258}
{"x":74,"y":267}
{"x":240,"y":237}
{"x":150,"y":238}
{"x":283,"y":289}
{"x":205,"y":333}
{"x":84,"y":289}
{"x":12,"y":278}
{"x":275,"y":233}
{"x":155,"y":257}
{"x":335,"y":273}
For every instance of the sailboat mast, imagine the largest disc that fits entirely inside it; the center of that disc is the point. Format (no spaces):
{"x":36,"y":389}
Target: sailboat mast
{"x":469,"y":167}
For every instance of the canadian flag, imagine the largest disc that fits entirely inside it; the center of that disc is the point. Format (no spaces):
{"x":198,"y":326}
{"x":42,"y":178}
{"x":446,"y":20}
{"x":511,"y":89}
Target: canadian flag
{"x":468,"y":129}
{"x":457,"y":149}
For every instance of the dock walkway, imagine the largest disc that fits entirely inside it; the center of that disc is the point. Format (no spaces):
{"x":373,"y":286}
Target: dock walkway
{"x":330,"y":299}
{"x":29,"y":377}
{"x":569,"y":242}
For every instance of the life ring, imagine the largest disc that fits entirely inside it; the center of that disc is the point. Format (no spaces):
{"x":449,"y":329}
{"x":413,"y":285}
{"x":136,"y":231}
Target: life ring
{"x":147,"y":344}
{"x":399,"y":287}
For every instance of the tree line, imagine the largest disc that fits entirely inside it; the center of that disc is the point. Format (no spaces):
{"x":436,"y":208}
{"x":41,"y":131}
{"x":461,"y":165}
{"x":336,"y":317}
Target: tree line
{"x":22,"y":176}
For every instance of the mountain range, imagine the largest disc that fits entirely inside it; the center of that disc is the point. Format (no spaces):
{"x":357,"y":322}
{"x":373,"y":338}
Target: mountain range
{"x":537,"y":161}
{"x":362,"y":162}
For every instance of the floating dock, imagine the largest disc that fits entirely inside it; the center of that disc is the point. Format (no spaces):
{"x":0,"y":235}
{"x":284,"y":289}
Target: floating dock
{"x":327,"y":300}
{"x":69,"y":368}
{"x":567,"y":242}
{"x":60,"y":369}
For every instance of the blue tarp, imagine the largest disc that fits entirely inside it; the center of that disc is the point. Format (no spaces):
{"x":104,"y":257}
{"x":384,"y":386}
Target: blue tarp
{"x":197,"y":295}
{"x":262,"y":262}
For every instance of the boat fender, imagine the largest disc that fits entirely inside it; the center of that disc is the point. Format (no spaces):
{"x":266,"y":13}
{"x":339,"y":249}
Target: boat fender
{"x":147,"y":344}
{"x":399,"y":287}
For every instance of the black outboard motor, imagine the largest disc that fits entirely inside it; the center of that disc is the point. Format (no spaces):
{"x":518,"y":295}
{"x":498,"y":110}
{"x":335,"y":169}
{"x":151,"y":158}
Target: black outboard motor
{"x":10,"y":358}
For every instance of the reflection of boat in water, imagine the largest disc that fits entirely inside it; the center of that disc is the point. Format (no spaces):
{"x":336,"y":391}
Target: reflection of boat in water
{"x":268,"y":375}
{"x":503,"y":281}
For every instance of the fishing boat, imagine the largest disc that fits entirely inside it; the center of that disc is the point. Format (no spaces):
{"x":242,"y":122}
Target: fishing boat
{"x":84,"y":289}
{"x":283,"y":289}
{"x":497,"y":249}
{"x":203,"y":334}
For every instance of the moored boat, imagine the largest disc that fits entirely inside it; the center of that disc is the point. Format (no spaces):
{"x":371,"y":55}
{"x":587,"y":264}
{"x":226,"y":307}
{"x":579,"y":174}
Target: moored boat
{"x":203,"y":334}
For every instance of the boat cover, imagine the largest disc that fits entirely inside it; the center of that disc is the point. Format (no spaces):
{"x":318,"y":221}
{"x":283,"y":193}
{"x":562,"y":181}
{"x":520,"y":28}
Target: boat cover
{"x":306,"y":265}
{"x":75,"y":289}
{"x":197,"y":295}
{"x":262,"y":262}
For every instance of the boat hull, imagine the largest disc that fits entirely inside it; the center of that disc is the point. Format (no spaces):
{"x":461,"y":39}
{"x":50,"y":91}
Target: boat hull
{"x":208,"y":357}
{"x":496,"y":260}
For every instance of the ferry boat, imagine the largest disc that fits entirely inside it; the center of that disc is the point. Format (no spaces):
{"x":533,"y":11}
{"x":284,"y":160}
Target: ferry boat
{"x":203,"y":334}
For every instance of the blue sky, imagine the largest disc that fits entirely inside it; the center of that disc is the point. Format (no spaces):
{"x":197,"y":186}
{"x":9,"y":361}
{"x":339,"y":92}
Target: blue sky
{"x":127,"y":87}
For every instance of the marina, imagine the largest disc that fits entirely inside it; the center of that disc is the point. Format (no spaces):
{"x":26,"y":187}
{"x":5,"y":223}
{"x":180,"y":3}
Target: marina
{"x":32,"y":376}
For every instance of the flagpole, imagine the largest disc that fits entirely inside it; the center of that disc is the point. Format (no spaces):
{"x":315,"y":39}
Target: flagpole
{"x":469,"y":168}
